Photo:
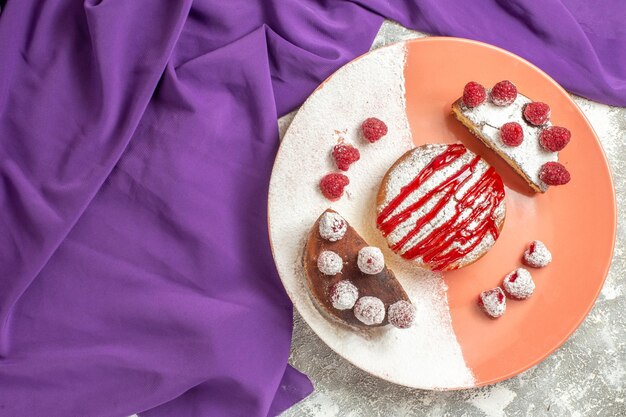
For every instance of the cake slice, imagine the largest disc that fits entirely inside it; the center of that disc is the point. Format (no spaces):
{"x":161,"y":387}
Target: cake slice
{"x":349,"y":281}
{"x":528,"y":143}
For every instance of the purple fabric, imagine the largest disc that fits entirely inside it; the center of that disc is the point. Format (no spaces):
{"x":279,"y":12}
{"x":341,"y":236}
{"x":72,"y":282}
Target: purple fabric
{"x":136,"y":143}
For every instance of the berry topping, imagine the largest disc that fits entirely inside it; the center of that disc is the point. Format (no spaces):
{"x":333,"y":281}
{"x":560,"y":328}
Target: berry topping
{"x":493,"y":302}
{"x":369,"y":310}
{"x":332,"y":186}
{"x":554,"y":173}
{"x":332,"y":226}
{"x":343,"y":295}
{"x":329,"y":263}
{"x":554,"y":138}
{"x":370,"y":260}
{"x":519,"y":284}
{"x":373,"y":129}
{"x":345,"y":155}
{"x":401,"y":314}
{"x":474,"y":94}
{"x":511,"y":134}
{"x":536,"y":113}
{"x":503,"y":93}
{"x":537,"y":255}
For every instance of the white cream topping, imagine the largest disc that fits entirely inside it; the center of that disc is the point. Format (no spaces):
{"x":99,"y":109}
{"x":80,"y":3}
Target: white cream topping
{"x":530,"y":155}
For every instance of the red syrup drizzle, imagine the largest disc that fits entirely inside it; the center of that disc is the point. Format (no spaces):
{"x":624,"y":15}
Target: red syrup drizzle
{"x":483,"y":198}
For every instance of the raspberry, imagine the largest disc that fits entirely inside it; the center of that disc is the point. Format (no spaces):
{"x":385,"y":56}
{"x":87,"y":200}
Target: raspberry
{"x":519,"y":284}
{"x":536,"y":113}
{"x":332,"y":226}
{"x":401,"y":314}
{"x":343,"y":295}
{"x":373,"y":129}
{"x":329,"y":263}
{"x":473,"y":94}
{"x":493,"y":302}
{"x":503,"y":93}
{"x":370,"y":260}
{"x":345,"y":155}
{"x":332,"y":186}
{"x":553,"y":173}
{"x":511,"y":134}
{"x":369,"y":310}
{"x":537,"y":255}
{"x":554,"y":138}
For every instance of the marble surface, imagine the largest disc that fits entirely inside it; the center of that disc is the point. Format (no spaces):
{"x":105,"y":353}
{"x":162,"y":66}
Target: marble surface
{"x":585,"y":377}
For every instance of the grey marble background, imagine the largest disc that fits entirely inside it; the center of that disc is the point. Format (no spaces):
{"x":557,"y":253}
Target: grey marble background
{"x":585,"y":377}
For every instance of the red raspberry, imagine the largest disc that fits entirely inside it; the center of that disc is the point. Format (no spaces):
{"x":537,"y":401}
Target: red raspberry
{"x":554,"y":138}
{"x":345,"y":155}
{"x":492,"y":302}
{"x":503,"y":93}
{"x":332,"y":186}
{"x":511,"y":134}
{"x":373,"y":129}
{"x":473,"y":94}
{"x":553,"y":173}
{"x":536,"y":113}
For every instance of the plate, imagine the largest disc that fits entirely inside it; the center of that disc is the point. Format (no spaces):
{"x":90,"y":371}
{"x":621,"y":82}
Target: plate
{"x":411,"y":86}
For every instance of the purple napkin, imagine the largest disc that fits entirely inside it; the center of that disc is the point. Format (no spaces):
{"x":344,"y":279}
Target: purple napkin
{"x":136,"y":143}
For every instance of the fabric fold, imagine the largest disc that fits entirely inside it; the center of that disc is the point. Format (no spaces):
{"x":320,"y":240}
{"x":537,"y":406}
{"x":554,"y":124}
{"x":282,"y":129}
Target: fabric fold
{"x":136,"y":144}
{"x":67,"y":117}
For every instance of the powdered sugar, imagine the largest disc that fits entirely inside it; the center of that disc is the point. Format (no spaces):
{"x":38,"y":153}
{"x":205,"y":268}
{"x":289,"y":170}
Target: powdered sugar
{"x":369,"y":310}
{"x":530,"y":155}
{"x":519,"y":284}
{"x":343,"y":295}
{"x":427,"y":355}
{"x":537,"y":255}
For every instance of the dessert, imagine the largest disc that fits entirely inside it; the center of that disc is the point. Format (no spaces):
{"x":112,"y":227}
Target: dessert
{"x":358,"y":290}
{"x":516,"y":128}
{"x":519,"y":284}
{"x":441,"y":206}
{"x":537,"y":255}
{"x":492,"y":302}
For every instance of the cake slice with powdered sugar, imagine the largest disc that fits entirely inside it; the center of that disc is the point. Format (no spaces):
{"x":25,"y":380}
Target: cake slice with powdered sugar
{"x":516,"y":128}
{"x":349,"y":280}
